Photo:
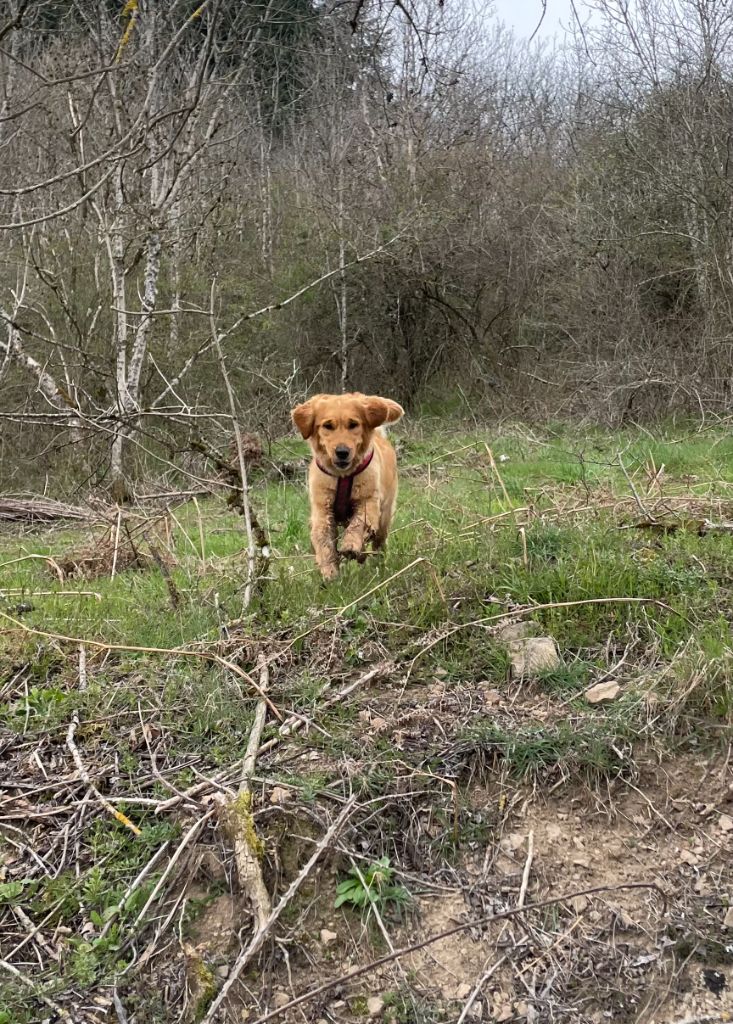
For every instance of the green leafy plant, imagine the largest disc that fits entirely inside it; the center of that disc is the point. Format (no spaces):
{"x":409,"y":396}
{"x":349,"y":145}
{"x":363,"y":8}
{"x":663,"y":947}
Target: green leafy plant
{"x":374,"y":886}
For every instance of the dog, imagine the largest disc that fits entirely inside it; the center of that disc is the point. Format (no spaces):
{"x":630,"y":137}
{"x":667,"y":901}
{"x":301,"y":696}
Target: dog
{"x":352,"y":479}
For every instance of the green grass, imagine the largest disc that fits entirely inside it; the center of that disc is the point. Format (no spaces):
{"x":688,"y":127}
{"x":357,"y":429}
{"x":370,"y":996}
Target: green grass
{"x":675,"y":650}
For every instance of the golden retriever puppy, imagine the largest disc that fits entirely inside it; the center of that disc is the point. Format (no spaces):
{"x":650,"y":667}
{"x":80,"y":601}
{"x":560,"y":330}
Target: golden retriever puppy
{"x":352,"y":480}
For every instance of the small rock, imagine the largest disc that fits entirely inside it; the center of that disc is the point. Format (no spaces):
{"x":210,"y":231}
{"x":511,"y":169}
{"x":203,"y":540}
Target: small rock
{"x":532,"y":656}
{"x":279,"y":795}
{"x":222,"y":971}
{"x":512,"y":842}
{"x":463,"y":991}
{"x":328,"y":937}
{"x":602,"y":691}
{"x":579,"y":903}
{"x":687,"y":857}
{"x":581,"y":860}
{"x":504,"y":1012}
{"x":375,"y":1005}
{"x":514,"y":631}
{"x":280,"y":999}
{"x":725,"y":823}
{"x":728,"y":919}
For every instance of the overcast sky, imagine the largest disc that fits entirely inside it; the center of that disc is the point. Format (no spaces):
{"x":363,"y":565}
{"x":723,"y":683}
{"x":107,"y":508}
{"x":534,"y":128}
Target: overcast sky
{"x":524,"y":15}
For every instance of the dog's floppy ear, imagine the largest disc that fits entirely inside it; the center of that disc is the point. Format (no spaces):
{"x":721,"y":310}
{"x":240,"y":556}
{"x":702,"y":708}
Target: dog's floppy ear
{"x":304,"y":417}
{"x":381,"y":410}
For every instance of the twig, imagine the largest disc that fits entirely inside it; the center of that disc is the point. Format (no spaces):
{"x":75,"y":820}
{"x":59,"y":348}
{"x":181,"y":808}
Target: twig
{"x":191,"y":834}
{"x":201,"y":532}
{"x":497,"y":474}
{"x":527,"y":868}
{"x":84,"y":775}
{"x":133,"y":886}
{"x":251,"y":547}
{"x":63,"y":1014}
{"x":119,"y":1008}
{"x":82,"y":668}
{"x":249,"y":869}
{"x":455,"y":930}
{"x":639,"y":503}
{"x":35,"y":932}
{"x":479,"y":985}
{"x":258,"y":939}
{"x":116,"y":545}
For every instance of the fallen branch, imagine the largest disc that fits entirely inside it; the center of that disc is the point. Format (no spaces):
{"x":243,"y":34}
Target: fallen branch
{"x":86,"y":779}
{"x":258,"y":939}
{"x":239,"y":814}
{"x":455,"y":930}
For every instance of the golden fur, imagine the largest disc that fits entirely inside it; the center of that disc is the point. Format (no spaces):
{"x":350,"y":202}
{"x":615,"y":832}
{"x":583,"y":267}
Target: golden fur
{"x":341,"y":430}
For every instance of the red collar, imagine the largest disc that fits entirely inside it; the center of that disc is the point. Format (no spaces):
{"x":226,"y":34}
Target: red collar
{"x":342,"y":509}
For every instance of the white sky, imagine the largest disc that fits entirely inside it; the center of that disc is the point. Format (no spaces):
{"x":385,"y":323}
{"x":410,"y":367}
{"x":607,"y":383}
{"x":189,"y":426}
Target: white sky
{"x":524,"y":15}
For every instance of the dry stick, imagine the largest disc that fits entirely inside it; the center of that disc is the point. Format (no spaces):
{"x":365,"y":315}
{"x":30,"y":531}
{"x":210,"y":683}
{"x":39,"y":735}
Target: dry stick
{"x":82,"y":668}
{"x":63,"y":1014}
{"x":24,"y":592}
{"x":258,"y":939}
{"x":527,"y":868}
{"x":251,"y":546}
{"x":35,"y":932}
{"x":497,"y":474}
{"x":84,"y":775}
{"x":455,"y":930}
{"x":176,"y":652}
{"x":249,"y":868}
{"x":117,"y":545}
{"x":201,"y":533}
{"x":132,"y":887}
{"x":639,"y":503}
{"x":479,"y":985}
{"x":191,"y":834}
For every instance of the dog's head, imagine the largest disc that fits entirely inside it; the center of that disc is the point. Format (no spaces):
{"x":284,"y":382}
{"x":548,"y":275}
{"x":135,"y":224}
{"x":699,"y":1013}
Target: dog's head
{"x":340,"y":427}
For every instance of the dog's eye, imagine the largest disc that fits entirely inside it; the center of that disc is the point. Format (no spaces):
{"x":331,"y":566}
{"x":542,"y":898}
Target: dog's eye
{"x":327,"y":426}
{"x":352,"y":424}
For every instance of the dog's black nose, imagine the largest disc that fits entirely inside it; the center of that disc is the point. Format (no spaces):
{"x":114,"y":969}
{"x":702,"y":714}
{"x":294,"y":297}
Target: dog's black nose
{"x":342,"y":452}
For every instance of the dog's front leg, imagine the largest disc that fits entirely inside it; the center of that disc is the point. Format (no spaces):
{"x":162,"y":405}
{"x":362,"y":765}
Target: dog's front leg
{"x":323,"y":539}
{"x":362,"y":527}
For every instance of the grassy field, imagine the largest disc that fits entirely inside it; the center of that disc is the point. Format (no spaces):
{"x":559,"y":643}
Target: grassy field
{"x":475,"y":789}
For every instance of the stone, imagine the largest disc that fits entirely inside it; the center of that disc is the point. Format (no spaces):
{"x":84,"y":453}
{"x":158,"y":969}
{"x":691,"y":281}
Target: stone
{"x":532,"y":656}
{"x":375,"y":1005}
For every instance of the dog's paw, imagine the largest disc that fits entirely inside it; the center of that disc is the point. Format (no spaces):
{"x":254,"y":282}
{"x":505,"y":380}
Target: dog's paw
{"x":329,"y":572}
{"x":353,"y":553}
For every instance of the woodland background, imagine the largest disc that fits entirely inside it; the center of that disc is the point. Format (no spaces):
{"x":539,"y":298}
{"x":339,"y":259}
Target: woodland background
{"x":503,"y":228}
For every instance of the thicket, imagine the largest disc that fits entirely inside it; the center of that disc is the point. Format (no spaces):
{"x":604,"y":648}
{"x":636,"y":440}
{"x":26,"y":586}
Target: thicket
{"x":549,"y":229}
